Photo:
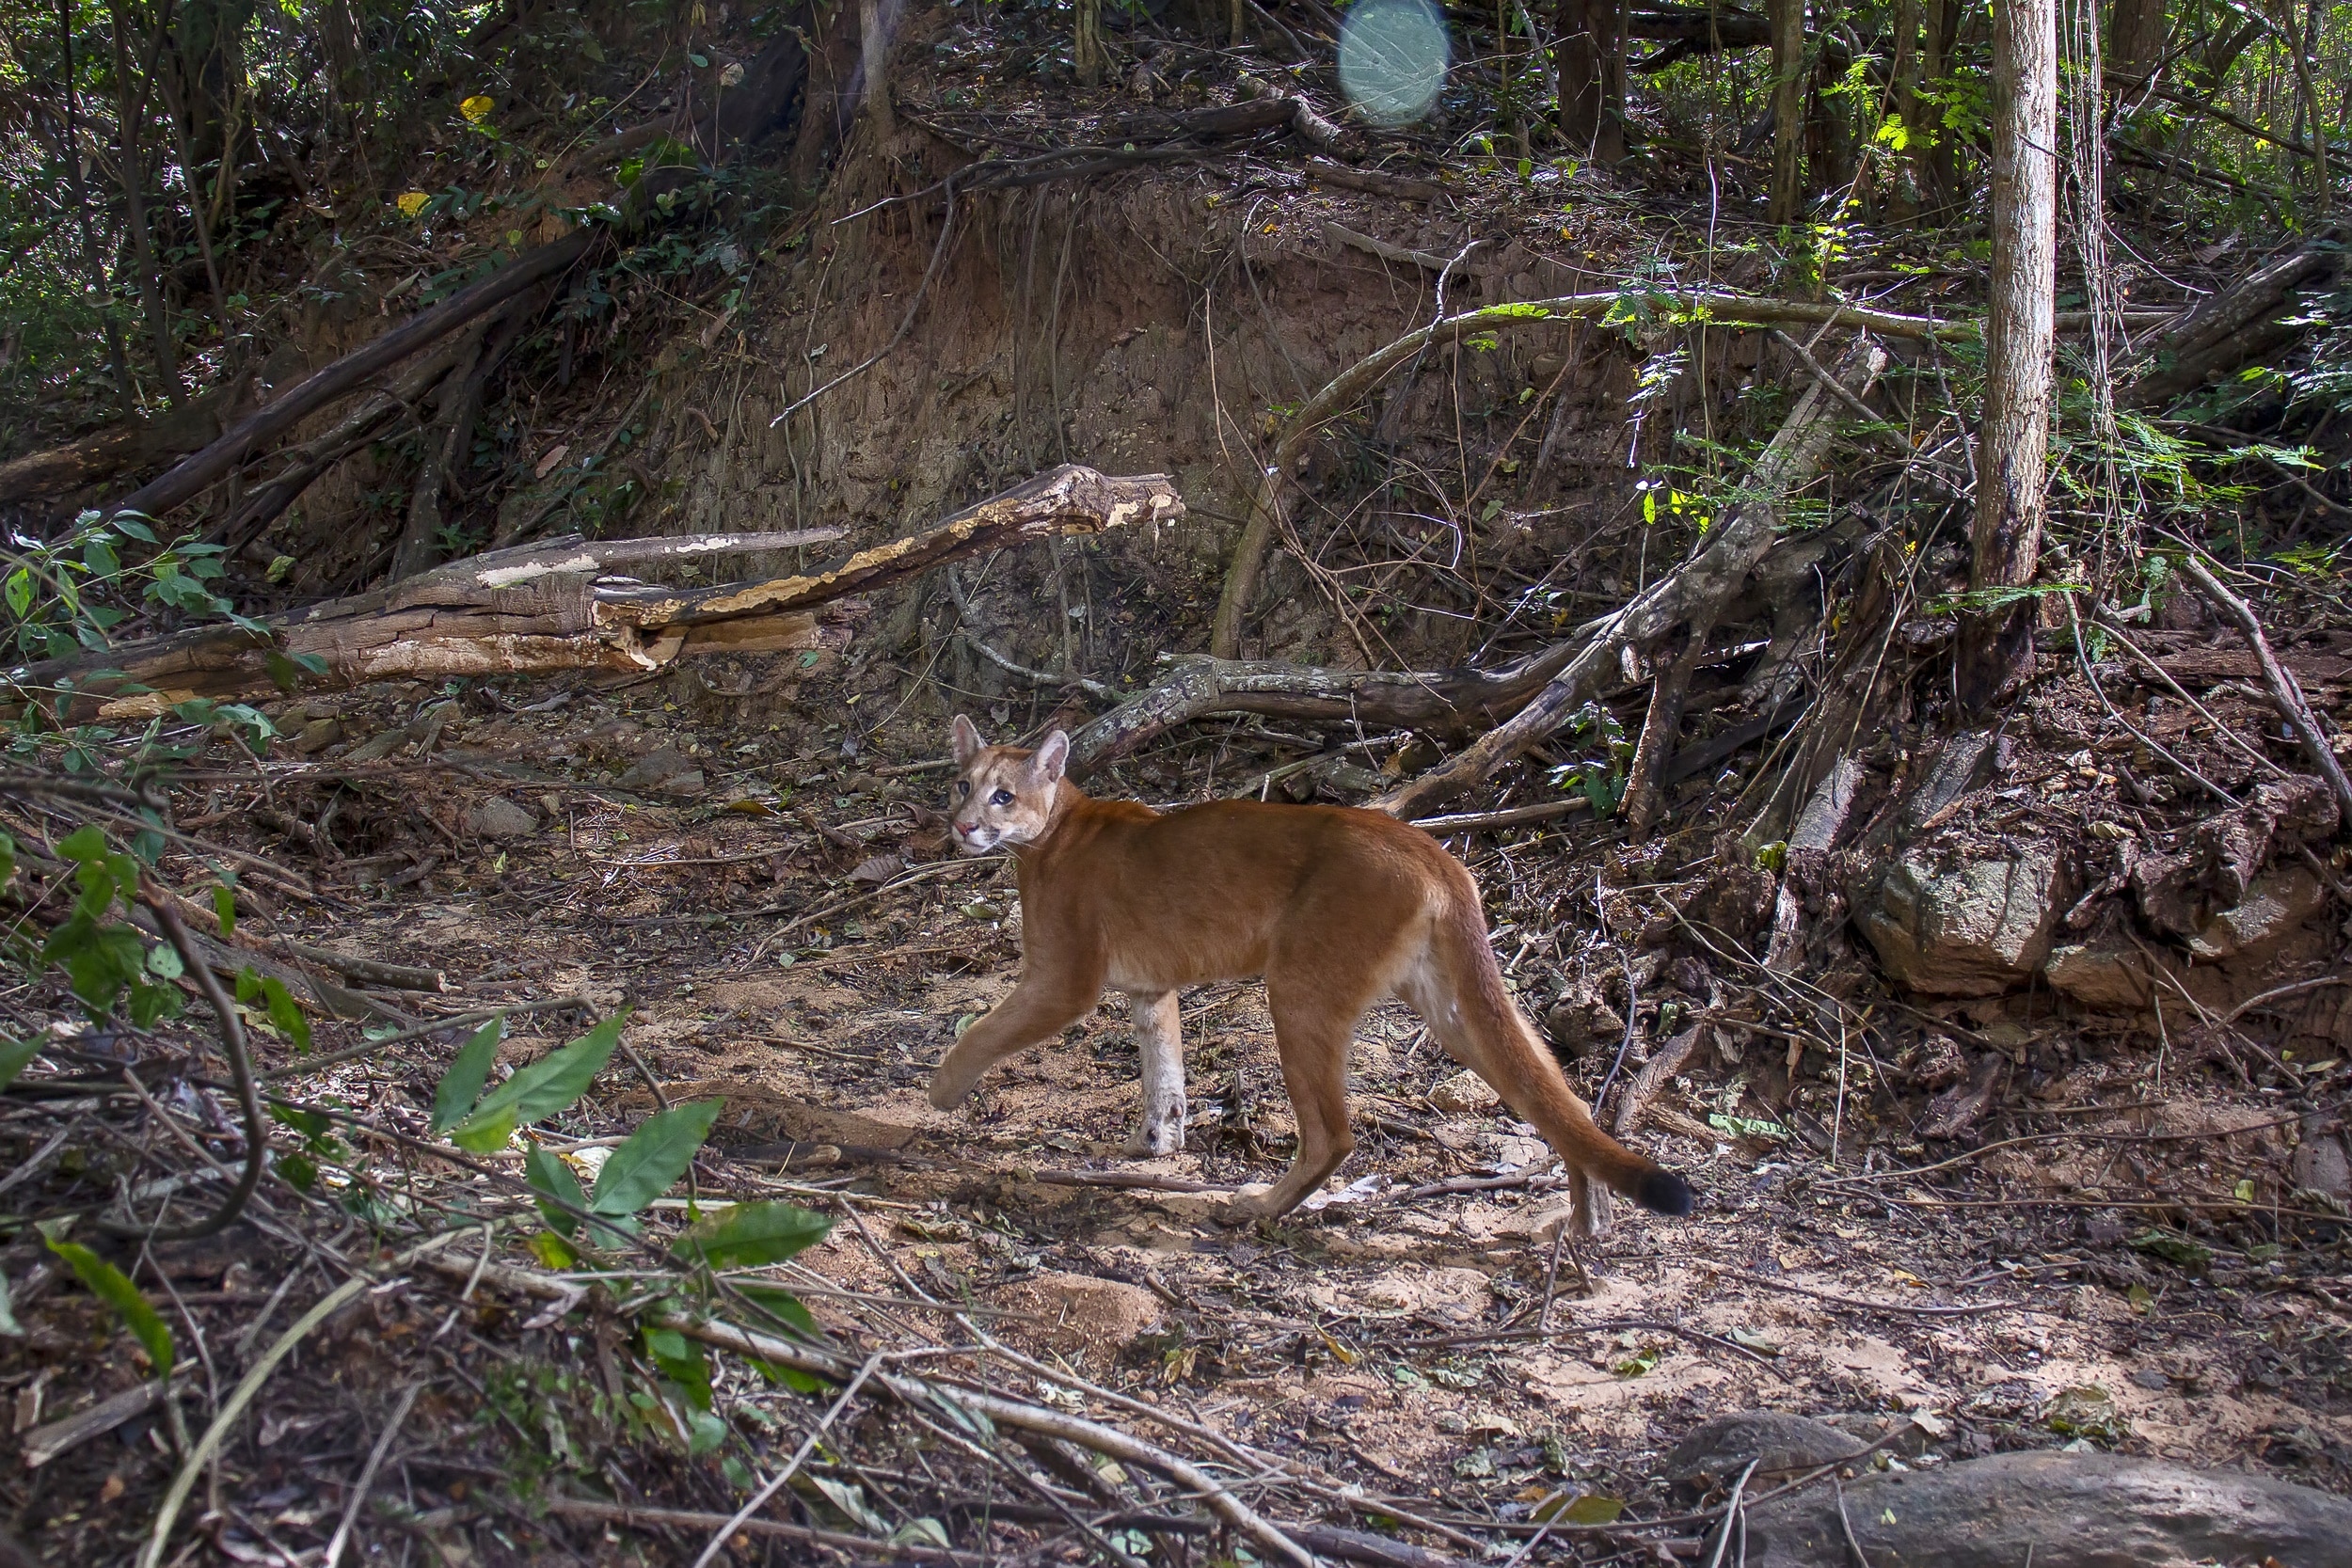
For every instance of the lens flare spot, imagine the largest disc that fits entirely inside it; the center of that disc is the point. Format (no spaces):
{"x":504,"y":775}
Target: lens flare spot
{"x":1393,"y":56}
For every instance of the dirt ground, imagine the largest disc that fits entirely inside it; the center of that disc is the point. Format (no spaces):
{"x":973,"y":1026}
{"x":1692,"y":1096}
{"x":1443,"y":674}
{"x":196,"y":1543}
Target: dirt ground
{"x":2079,"y":1267}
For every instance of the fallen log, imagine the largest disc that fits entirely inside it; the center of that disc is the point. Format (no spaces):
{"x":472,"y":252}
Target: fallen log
{"x":1438,"y":700}
{"x":551,"y":607}
{"x":2246,"y":324}
{"x":1689,"y":597}
{"x":250,"y":435}
{"x":102,"y":454}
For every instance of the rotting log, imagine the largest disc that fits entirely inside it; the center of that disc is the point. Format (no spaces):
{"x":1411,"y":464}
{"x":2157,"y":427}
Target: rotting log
{"x":1691,"y":597}
{"x":551,"y":606}
{"x":100,"y":456}
{"x":2247,"y":322}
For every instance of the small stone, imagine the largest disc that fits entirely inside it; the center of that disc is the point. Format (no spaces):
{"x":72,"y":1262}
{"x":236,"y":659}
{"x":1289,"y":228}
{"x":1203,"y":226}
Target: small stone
{"x":499,"y":819}
{"x":1976,"y":927}
{"x":317,"y":735}
{"x":1465,"y":1092}
{"x":2274,"y":904}
{"x":2320,"y":1166}
{"x":662,"y":769}
{"x":2106,"y":977}
{"x":1778,"y":1443}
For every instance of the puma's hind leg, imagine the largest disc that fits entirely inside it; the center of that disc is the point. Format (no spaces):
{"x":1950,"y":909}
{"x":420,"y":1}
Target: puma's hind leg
{"x":1160,"y":1042}
{"x":1314,"y":1016}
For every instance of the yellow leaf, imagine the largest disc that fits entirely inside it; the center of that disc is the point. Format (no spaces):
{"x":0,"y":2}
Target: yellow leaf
{"x":476,"y":109}
{"x":411,"y":203}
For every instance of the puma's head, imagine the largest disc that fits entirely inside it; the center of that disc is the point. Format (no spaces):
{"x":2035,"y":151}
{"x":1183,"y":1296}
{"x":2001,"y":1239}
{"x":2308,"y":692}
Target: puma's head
{"x":1001,"y":795}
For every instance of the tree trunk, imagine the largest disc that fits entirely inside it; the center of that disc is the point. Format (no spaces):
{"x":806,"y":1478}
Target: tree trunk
{"x":1608,"y":42}
{"x":1787,"y":194}
{"x":2135,"y":38}
{"x":2019,"y":341}
{"x":1902,"y":202}
{"x":874,"y":64}
{"x":557,"y":607}
{"x":1937,"y":160}
{"x":1580,"y":75}
{"x":1087,"y":43}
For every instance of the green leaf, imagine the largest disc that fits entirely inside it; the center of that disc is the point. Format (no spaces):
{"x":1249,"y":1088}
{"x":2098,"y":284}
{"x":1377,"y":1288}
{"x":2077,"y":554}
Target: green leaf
{"x":309,"y":1123}
{"x":461,"y":1085}
{"x":20,"y":590}
{"x":788,"y":1310}
{"x":224,"y":906}
{"x":486,"y":1132}
{"x":285,"y":1014}
{"x":656,"y":1155}
{"x":9,"y":1325}
{"x":752,"y":1234}
{"x":84,"y":845}
{"x":14,"y":1058}
{"x":681,"y":1360}
{"x":543,"y":1088}
{"x":1593,"y":1508}
{"x":164,"y":963}
{"x":548,"y":1174}
{"x":552,"y":1251}
{"x":108,"y":1284}
{"x":2173,"y":1247}
{"x":8,"y":859}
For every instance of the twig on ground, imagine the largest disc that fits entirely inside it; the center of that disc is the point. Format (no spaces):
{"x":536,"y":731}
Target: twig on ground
{"x":366,"y":1481}
{"x":250,"y":1384}
{"x":2284,"y":693}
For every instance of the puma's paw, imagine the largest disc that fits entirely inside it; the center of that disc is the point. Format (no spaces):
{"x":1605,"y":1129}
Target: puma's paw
{"x":1146,"y":1143}
{"x":945,"y":1093}
{"x":1248,"y":1208}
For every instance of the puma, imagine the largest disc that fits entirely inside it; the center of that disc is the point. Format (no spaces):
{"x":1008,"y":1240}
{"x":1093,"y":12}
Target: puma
{"x":1337,"y":908}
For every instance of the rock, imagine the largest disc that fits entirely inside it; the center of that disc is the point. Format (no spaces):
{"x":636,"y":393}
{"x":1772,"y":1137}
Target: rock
{"x":500,"y":819}
{"x":1781,"y":1446}
{"x":665,"y":770}
{"x":2106,"y":976}
{"x":317,"y":735}
{"x":2320,"y":1166}
{"x":2064,"y":1510}
{"x":2276,"y":903}
{"x":1081,"y":1312}
{"x":1465,"y":1093}
{"x":1976,"y":928}
{"x":1935,"y":1062}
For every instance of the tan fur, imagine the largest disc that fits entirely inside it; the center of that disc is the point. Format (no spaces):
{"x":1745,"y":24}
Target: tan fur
{"x":1336,"y":908}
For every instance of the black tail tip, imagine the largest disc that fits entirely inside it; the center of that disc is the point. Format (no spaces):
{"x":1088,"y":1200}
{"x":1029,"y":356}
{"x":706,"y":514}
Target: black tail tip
{"x":1665,"y":1192}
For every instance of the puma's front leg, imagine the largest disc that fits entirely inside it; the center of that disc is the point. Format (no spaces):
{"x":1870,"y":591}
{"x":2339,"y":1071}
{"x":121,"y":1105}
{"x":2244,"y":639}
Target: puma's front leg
{"x":1160,"y":1040}
{"x":1030,"y":1014}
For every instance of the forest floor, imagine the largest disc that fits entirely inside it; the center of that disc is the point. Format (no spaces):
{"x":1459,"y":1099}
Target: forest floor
{"x":1416,"y":1336}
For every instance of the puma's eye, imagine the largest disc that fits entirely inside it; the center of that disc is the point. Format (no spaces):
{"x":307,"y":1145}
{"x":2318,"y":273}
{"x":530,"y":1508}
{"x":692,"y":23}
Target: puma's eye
{"x":963,"y":786}
{"x":1002,"y":798}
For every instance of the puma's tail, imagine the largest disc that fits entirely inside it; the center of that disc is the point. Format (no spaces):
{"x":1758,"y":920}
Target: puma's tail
{"x":1493,"y":1037}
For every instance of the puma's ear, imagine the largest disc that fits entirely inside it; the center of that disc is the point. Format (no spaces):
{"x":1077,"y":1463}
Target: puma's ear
{"x":965,"y":738}
{"x":1052,"y":758}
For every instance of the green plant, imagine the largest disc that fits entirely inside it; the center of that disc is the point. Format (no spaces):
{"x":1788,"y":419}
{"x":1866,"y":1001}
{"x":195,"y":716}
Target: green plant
{"x":1602,"y":775}
{"x":64,"y":595}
